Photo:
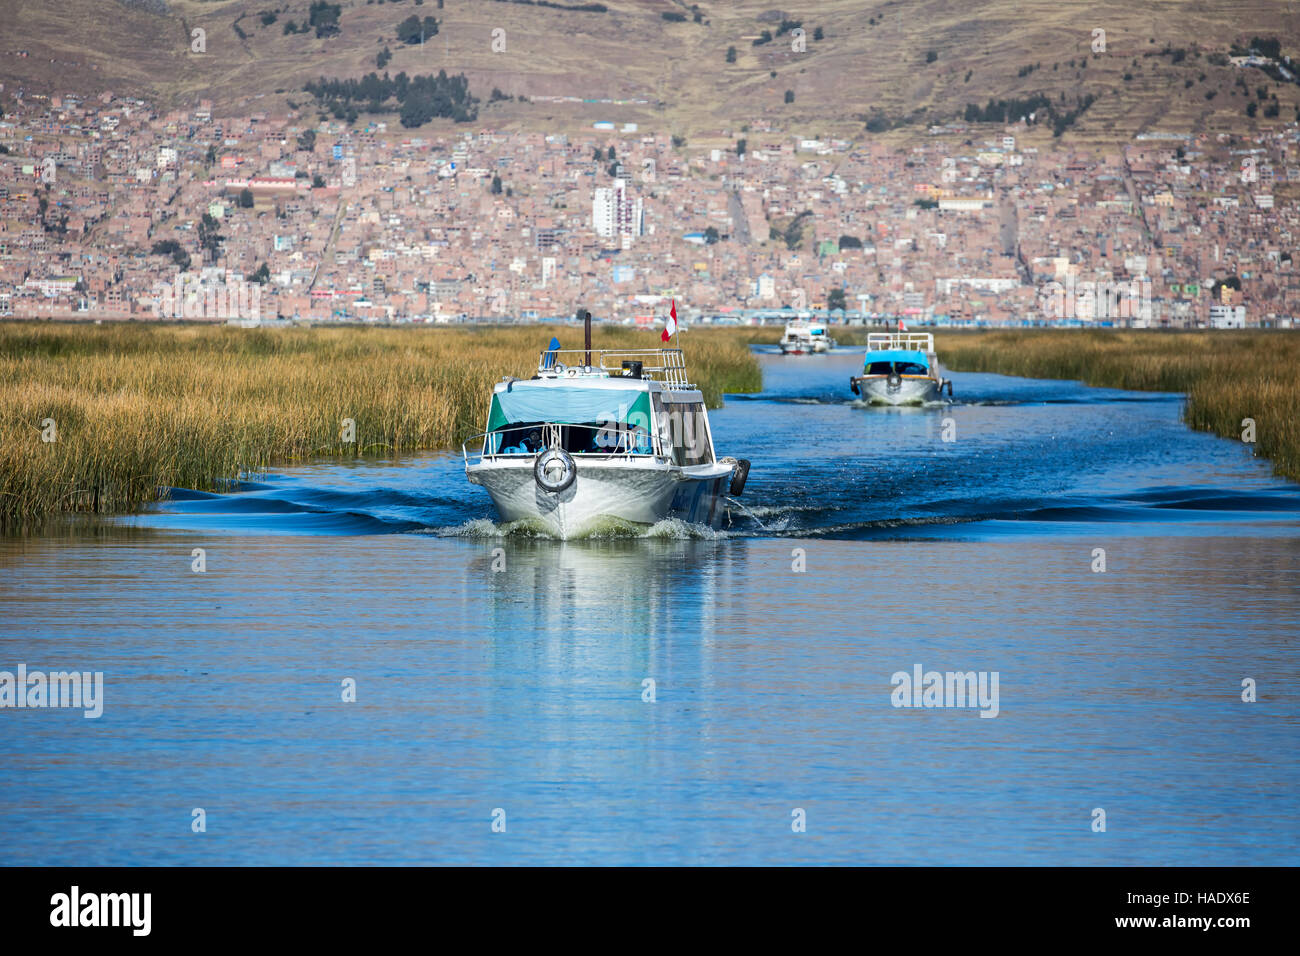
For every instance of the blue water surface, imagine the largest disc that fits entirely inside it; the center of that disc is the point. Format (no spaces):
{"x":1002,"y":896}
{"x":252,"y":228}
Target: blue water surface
{"x":505,"y":677}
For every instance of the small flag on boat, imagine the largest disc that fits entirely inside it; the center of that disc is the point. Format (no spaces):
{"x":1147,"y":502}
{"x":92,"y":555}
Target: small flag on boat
{"x":670,"y":326}
{"x":901,"y":326}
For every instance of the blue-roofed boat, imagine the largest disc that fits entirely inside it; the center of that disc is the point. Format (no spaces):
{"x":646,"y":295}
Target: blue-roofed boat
{"x":900,"y":368}
{"x":601,"y":436}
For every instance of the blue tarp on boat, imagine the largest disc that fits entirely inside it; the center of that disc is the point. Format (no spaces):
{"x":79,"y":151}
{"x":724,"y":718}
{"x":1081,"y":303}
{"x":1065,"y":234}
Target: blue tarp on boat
{"x":568,"y":405}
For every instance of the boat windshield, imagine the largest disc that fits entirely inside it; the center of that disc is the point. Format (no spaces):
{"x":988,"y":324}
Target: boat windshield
{"x":896,"y":368}
{"x":593,"y":438}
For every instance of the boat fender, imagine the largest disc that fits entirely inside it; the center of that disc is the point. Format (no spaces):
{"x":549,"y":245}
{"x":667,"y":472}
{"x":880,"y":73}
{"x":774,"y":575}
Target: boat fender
{"x":739,"y":475}
{"x":853,"y":385}
{"x":950,"y":388}
{"x":554,"y":470}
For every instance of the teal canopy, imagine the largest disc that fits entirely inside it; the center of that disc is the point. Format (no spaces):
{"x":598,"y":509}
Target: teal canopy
{"x":568,"y":405}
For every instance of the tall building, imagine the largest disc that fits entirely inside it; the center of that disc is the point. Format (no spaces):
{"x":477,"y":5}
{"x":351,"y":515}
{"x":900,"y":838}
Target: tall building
{"x":615,"y":214}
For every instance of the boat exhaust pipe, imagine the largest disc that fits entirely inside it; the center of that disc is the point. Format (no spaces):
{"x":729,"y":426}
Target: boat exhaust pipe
{"x":585,"y":315}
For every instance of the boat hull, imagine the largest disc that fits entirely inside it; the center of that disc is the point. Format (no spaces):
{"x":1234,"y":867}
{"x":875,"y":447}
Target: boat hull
{"x":623,"y":490}
{"x":877,"y":390}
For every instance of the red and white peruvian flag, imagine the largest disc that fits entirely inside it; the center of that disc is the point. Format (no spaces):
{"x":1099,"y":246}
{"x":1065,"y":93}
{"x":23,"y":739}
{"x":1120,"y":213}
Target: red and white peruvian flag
{"x":901,"y":326}
{"x":670,"y":326}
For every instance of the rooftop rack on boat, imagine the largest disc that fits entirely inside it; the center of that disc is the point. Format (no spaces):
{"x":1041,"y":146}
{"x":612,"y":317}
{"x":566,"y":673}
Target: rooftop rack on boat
{"x":907,"y":341}
{"x":666,"y":366}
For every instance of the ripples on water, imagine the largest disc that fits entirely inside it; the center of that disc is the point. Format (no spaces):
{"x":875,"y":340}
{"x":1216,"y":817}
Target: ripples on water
{"x":522,"y":688}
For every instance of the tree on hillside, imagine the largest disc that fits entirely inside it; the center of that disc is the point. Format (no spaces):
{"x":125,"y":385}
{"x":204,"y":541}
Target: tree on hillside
{"x":835,"y":299}
{"x":325,"y":18}
{"x":210,"y":239}
{"x":246,"y":199}
{"x":793,"y":234}
{"x":413,"y":30}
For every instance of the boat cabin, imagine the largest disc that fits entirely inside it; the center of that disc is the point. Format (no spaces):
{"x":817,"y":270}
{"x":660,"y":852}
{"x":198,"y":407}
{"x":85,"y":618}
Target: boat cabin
{"x":896,"y":362}
{"x":616,"y":404}
{"x":899,"y":353}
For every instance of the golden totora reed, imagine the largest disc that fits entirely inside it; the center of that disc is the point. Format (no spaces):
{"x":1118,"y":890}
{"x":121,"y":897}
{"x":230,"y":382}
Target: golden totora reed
{"x":136,"y":409}
{"x":1227,"y":376}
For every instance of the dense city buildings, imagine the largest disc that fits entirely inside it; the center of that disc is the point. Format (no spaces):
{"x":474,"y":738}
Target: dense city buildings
{"x":112,"y":209}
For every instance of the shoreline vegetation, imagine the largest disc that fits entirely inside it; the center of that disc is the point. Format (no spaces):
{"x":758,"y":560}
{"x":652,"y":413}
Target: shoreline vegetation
{"x":1226,"y":376}
{"x":134,"y":409}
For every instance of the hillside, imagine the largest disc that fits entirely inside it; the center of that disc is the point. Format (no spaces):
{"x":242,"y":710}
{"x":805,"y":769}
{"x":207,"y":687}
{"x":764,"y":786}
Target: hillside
{"x":909,"y":62}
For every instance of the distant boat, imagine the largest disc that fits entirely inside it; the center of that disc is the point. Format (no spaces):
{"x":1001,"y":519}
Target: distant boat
{"x":597,"y":435}
{"x":806,"y":338}
{"x":900,"y":368}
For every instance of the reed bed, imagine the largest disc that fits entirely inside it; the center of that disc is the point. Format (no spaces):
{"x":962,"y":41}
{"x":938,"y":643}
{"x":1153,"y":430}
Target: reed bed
{"x":1227,"y":376}
{"x":137,"y":409}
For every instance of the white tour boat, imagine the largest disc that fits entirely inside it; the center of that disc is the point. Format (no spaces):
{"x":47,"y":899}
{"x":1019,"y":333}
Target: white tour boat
{"x":599,"y":435}
{"x":900,"y":368}
{"x":806,"y":338}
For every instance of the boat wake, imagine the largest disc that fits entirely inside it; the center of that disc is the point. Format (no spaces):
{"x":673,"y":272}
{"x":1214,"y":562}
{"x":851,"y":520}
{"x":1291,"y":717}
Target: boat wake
{"x":1157,"y":510}
{"x":604,"y":529}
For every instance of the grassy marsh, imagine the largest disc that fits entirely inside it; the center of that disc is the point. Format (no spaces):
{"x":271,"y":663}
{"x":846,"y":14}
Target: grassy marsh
{"x":139,"y":408}
{"x":1227,"y":376}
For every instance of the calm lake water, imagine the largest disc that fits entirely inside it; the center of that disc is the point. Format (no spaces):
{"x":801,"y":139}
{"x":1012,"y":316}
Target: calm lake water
{"x":521,"y":690}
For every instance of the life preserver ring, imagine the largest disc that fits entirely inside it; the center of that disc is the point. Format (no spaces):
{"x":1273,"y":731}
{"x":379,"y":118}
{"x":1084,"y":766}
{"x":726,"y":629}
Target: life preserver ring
{"x":554,"y":470}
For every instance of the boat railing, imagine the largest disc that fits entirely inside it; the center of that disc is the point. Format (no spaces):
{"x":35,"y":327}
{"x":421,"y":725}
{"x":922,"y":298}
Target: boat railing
{"x":905,"y":341}
{"x":614,"y":440}
{"x":666,"y":366}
